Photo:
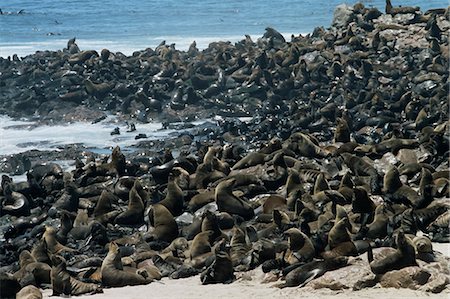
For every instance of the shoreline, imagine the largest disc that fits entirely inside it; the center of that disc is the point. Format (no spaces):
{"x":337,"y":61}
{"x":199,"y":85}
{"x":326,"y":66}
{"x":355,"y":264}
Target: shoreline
{"x":181,"y":43}
{"x":326,"y":162}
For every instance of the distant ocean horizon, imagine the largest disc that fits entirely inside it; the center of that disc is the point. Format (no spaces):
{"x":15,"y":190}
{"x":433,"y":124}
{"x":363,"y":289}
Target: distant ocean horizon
{"x":127,"y":26}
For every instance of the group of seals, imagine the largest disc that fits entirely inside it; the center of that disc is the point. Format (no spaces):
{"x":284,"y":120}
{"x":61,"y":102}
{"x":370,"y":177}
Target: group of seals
{"x":282,"y":191}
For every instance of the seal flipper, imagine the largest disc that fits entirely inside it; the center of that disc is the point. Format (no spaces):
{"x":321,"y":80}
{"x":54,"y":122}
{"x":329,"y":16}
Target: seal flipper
{"x":370,"y":254}
{"x":311,"y":275}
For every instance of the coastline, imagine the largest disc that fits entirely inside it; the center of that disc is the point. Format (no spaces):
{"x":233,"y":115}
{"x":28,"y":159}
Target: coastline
{"x":354,"y":112}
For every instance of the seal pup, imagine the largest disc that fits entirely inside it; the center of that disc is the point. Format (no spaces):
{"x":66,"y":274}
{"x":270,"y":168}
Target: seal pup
{"x":221,"y":270}
{"x":113,"y":273}
{"x":239,"y":246}
{"x":64,"y":284}
{"x":403,"y":256}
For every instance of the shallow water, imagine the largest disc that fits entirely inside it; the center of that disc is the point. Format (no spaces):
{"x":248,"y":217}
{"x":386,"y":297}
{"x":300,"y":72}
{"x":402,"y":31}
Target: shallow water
{"x":20,"y":136}
{"x":134,"y":25}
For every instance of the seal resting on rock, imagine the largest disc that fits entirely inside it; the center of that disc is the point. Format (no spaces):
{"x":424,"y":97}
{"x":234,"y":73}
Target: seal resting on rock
{"x":403,"y":256}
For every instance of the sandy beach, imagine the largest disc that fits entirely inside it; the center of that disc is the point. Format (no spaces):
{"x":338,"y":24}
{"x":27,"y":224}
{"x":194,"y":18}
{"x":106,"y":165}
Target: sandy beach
{"x":248,"y":286}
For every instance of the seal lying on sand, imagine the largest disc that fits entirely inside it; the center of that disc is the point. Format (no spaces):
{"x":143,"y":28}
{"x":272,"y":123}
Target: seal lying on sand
{"x":113,"y":273}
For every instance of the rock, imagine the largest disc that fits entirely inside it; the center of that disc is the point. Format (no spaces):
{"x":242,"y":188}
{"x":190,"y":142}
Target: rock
{"x":409,"y":277}
{"x":343,"y":15}
{"x":343,"y":278}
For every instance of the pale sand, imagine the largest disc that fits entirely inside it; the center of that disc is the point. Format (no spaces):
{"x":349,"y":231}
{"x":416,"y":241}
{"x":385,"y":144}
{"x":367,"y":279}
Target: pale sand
{"x":248,"y":286}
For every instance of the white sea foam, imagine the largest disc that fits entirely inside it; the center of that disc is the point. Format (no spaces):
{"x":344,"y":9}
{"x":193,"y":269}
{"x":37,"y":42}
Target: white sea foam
{"x":127,"y":47}
{"x":20,"y":136}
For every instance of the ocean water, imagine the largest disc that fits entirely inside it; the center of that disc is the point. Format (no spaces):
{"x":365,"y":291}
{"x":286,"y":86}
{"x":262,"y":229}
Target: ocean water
{"x":132,"y":25}
{"x":18,"y":136}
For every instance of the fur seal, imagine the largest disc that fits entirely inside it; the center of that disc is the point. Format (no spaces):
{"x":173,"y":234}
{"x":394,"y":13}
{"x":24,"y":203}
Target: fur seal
{"x":29,"y":292}
{"x":64,"y":284}
{"x":403,"y":256}
{"x":301,"y":249}
{"x":52,"y":244}
{"x":134,"y":215}
{"x":164,"y":225}
{"x":113,"y":273}
{"x":103,"y":211}
{"x":174,"y":200}
{"x":221,"y":270}
{"x":201,"y":244}
{"x":32,"y":271}
{"x":15,"y":203}
{"x":239,"y":246}
{"x":300,"y":276}
{"x":227,"y":202}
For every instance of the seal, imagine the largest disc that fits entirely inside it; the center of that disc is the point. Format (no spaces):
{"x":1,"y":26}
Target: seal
{"x":221,"y":270}
{"x":301,"y":249}
{"x":174,"y":200}
{"x":301,"y":275}
{"x":134,"y":215}
{"x":104,"y":206}
{"x":164,"y":225}
{"x":227,"y":202}
{"x":52,"y":244}
{"x":64,"y":284}
{"x":32,"y":271}
{"x":424,"y":249}
{"x":403,"y":256}
{"x":29,"y":292}
{"x":211,"y":222}
{"x":201,"y":244}
{"x":338,"y":233}
{"x":239,"y":246}
{"x":15,"y":203}
{"x":113,"y":274}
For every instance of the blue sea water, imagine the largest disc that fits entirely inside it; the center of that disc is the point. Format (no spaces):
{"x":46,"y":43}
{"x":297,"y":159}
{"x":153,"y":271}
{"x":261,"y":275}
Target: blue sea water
{"x":137,"y":24}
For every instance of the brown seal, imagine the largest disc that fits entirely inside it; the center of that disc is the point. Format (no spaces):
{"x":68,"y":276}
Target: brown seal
{"x":251,"y":159}
{"x":113,"y":274}
{"x":201,"y":244}
{"x":305,"y":273}
{"x":221,"y":270}
{"x":342,"y":133}
{"x":301,"y":249}
{"x":174,"y":200}
{"x":64,"y":284}
{"x":164,"y":226}
{"x":53,"y":246}
{"x":32,"y":271}
{"x":227,"y":202}
{"x":239,"y":246}
{"x":103,"y":211}
{"x":338,"y":233}
{"x":29,"y":292}
{"x":134,"y":215}
{"x":403,"y":256}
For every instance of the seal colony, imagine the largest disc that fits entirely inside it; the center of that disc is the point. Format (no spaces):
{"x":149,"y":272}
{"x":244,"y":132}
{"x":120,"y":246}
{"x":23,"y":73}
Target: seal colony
{"x":343,"y":168}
